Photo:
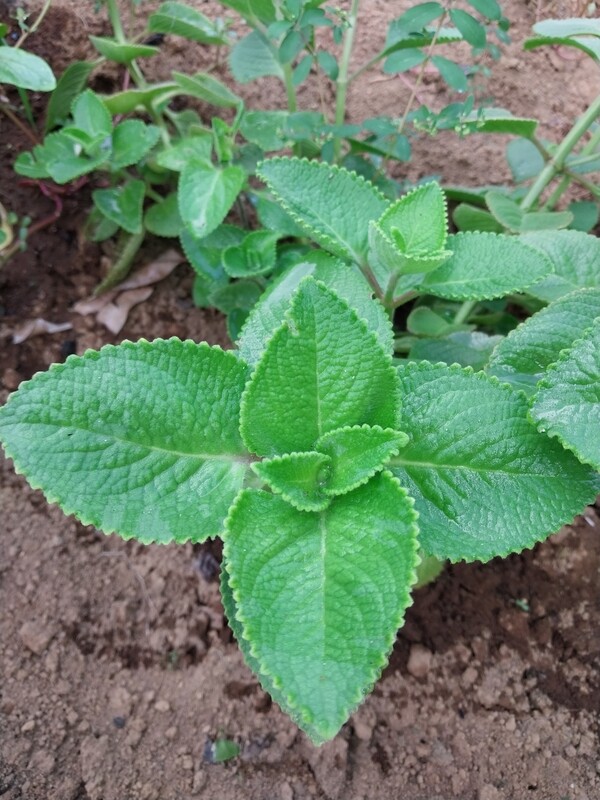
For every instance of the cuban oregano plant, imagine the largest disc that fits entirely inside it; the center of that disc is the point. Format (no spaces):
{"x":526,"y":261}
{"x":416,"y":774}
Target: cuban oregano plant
{"x":333,"y":473}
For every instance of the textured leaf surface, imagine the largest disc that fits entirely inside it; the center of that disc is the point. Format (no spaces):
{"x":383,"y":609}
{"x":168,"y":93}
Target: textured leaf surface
{"x":356,"y":454}
{"x":179,"y":19}
{"x":575,"y":257}
{"x":322,"y":369}
{"x":132,"y":140}
{"x":253,"y":58}
{"x":333,"y":205}
{"x":485,"y":481}
{"x":344,"y":279}
{"x":141,"y":439}
{"x":524,"y":356}
{"x":298,"y":477}
{"x":567,"y":404}
{"x":206,"y":194}
{"x":321,"y":599}
{"x":122,"y":205}
{"x":484,"y":266}
{"x":417,"y":222}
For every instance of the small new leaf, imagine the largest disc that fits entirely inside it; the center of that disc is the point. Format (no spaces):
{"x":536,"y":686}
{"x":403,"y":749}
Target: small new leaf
{"x":298,"y":477}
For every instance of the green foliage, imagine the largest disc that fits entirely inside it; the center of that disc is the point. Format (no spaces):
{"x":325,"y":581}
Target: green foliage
{"x":25,"y":70}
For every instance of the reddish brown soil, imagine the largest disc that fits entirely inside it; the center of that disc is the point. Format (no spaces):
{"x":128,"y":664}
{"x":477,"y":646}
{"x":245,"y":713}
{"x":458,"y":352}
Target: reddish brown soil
{"x":117,"y":668}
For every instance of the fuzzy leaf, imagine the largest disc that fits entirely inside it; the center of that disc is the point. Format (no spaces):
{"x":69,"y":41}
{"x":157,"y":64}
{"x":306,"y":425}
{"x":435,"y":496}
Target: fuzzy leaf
{"x":141,"y":439}
{"x":567,"y":403}
{"x":524,"y":356}
{"x":197,"y":148}
{"x":320,"y":601}
{"x":332,"y":205}
{"x":462,"y":347}
{"x":254,"y":256}
{"x":206,"y":194}
{"x":417,"y":222}
{"x":485,"y":482}
{"x":164,"y":219}
{"x":575,"y":257}
{"x":298,"y":477}
{"x":132,"y":139}
{"x":356,"y":454}
{"x":91,"y":116}
{"x":344,"y":279}
{"x":484,"y":266}
{"x":122,"y":205}
{"x":322,"y":369}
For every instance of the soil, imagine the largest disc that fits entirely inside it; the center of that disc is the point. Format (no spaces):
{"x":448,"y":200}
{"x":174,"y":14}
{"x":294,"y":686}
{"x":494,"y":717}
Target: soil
{"x":117,"y":668}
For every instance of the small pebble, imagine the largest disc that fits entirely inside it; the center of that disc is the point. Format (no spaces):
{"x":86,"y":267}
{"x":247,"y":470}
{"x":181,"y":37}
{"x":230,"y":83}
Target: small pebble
{"x":28,"y":726}
{"x":162,"y":705}
{"x":119,"y":722}
{"x":419,"y":661}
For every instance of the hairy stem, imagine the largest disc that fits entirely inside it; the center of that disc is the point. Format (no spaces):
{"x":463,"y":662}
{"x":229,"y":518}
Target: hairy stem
{"x":341,"y":85}
{"x":120,"y":269}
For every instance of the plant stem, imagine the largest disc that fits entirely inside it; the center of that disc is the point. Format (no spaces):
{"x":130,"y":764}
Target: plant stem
{"x":367,"y":65}
{"x":589,"y":151}
{"x":290,"y":89}
{"x":406,"y":297}
{"x":341,"y":85}
{"x":556,"y":163}
{"x":120,"y":268}
{"x":373,"y":282}
{"x":464,"y":311}
{"x":33,"y":28}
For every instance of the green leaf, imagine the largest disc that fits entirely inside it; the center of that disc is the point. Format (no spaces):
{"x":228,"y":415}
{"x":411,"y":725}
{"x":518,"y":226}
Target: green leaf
{"x":484,"y":266}
{"x":320,"y":601}
{"x":524,"y":159}
{"x":505,"y":210}
{"x":344,"y":279}
{"x":424,"y":321}
{"x":204,"y":87}
{"x":252,"y":58}
{"x":252,"y":10}
{"x":164,"y":219}
{"x":132,"y":99}
{"x":546,"y":220}
{"x":322,"y":370}
{"x":122,"y":52}
{"x":91,"y":116}
{"x":255,"y":256}
{"x":585,"y":213}
{"x":265,"y":129}
{"x":567,"y":403}
{"x":468,"y":349}
{"x":417,"y":222}
{"x":191,"y":148}
{"x":420,"y":15}
{"x":205,"y":258}
{"x":302,"y":70}
{"x":328,"y":63}
{"x":473,"y":31}
{"x":524,"y":356}
{"x":355,"y":454}
{"x":471,"y":218}
{"x":398,"y":38}
{"x":332,"y":205}
{"x":70,"y":84}
{"x":272,"y":216}
{"x":132,"y":140}
{"x":298,"y":477}
{"x":403,"y":60}
{"x":485,"y":482}
{"x":206,"y":194}
{"x":25,"y":70}
{"x":179,"y":19}
{"x":290,"y":47}
{"x":242,"y":294}
{"x":587,"y":44}
{"x":140,"y":439}
{"x":60,"y":158}
{"x":122,"y":204}
{"x":452,"y":74}
{"x":498,"y":120}
{"x":224,"y":750}
{"x":575,"y":258}
{"x":487,"y":8}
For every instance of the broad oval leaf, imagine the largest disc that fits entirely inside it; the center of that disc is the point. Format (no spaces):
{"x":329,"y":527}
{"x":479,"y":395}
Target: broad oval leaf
{"x":322,"y":370}
{"x":575,"y":258}
{"x":132,"y":139}
{"x":320,"y":601}
{"x":252,"y":58}
{"x":567,"y":403}
{"x":484,"y":266}
{"x":179,"y":19}
{"x":205,"y":195}
{"x":25,"y":70}
{"x":486,"y":483}
{"x":523,"y":357}
{"x":139,"y":439}
{"x":334,"y":206}
{"x":122,"y":204}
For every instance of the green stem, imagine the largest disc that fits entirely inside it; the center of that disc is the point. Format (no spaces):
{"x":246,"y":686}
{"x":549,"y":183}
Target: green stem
{"x":367,"y":65}
{"x":341,"y":85}
{"x":115,"y":21}
{"x":290,"y":89}
{"x":464,"y":311}
{"x":373,"y":282}
{"x":120,"y":269}
{"x":556,"y":163}
{"x":404,"y":298}
{"x":589,"y":151}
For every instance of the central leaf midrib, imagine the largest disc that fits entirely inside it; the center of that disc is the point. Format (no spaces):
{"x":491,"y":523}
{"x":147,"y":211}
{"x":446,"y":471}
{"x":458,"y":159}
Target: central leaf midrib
{"x":234,"y":457}
{"x":400,"y":462}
